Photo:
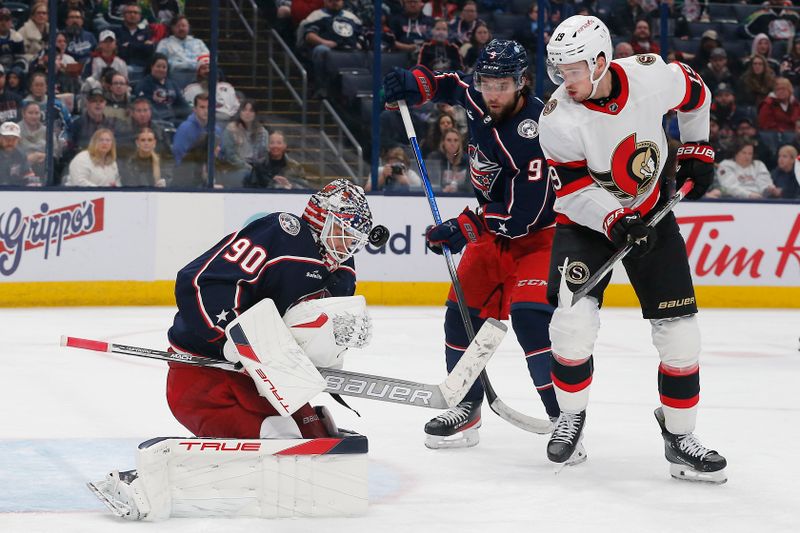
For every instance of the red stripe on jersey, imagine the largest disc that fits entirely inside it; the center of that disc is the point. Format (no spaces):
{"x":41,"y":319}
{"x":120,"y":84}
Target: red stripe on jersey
{"x":680,"y":404}
{"x":569,"y":387}
{"x":574,"y":186}
{"x":648,"y":204}
{"x":567,"y":164}
{"x":312,"y":447}
{"x":695,"y":89}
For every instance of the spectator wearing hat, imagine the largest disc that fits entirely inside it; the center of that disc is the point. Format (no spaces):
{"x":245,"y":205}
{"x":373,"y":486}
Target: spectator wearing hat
{"x":779,"y":110}
{"x":642,"y":41}
{"x":783,"y":175}
{"x":757,"y":81}
{"x":97,"y":165}
{"x":12,"y":47}
{"x":717,"y":70}
{"x":790,"y":64}
{"x":135,"y":44}
{"x":227,"y":101}
{"x":80,"y":43}
{"x":745,"y":177}
{"x":708,"y":42}
{"x":14,"y":167}
{"x":182,"y":50}
{"x":105,"y":56}
{"x":92,"y":120}
{"x":34,"y":31}
{"x":164,"y":94}
{"x":724,"y":106}
{"x":10,"y":103}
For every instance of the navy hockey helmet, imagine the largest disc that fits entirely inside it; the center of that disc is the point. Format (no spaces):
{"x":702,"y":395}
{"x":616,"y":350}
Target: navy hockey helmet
{"x":502,"y":58}
{"x":340,"y":214}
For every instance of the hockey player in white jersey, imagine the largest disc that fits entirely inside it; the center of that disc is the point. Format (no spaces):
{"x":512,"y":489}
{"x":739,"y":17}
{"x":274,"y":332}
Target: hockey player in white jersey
{"x":603,"y":138}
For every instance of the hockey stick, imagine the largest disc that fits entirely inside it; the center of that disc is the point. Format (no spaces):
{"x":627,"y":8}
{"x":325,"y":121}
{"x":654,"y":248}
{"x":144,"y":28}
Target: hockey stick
{"x":528,"y":423}
{"x":437,"y":396}
{"x":620,"y":255}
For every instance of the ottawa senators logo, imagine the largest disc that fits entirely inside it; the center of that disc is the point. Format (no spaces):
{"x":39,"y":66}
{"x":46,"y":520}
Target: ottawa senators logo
{"x":634,"y":166}
{"x":645,"y":59}
{"x":550,"y":106}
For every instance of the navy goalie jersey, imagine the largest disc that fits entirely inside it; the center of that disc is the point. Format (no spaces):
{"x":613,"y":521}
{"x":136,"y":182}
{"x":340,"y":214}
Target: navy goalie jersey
{"x":507,"y":167}
{"x":277,"y":256}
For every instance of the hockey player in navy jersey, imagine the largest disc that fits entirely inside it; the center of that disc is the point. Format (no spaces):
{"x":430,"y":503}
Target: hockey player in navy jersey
{"x":603,"y":136}
{"x":281,"y":258}
{"x":507,"y":239}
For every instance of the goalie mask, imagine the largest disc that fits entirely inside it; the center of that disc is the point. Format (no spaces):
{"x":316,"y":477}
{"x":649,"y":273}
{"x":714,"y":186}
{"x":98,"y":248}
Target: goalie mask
{"x":579,"y":38}
{"x":341,"y":216}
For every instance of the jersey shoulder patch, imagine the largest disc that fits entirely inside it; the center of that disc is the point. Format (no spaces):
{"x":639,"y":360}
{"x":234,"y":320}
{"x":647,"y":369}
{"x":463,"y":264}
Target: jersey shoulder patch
{"x":646,"y":59}
{"x":289,"y":223}
{"x":550,"y":106}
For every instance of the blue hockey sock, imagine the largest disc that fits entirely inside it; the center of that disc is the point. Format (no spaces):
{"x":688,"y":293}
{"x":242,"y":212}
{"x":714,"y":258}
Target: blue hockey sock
{"x":531,"y":327}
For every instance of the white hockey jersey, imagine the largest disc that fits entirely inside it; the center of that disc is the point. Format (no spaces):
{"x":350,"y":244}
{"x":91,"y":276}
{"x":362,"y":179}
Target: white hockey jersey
{"x":605,"y":157}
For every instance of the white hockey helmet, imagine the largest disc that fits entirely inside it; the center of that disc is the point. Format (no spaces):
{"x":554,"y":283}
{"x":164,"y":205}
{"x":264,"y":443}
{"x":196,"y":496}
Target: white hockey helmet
{"x":340,"y":214}
{"x":579,"y":38}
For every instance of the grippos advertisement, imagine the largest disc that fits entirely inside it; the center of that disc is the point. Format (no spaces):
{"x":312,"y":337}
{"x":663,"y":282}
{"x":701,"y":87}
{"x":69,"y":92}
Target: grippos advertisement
{"x":147,"y":236}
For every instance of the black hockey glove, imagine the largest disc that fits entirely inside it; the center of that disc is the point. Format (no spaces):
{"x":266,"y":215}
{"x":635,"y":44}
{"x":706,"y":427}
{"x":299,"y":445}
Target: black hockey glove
{"x":695,"y":162}
{"x":624,"y":227}
{"x":415,"y":86}
{"x":455,"y":232}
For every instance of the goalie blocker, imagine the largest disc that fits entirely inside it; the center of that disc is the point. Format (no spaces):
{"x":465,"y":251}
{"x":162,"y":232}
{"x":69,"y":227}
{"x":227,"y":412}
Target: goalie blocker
{"x":275,"y":478}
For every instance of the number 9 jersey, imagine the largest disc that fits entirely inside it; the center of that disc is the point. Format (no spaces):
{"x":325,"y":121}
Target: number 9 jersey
{"x":278,"y":256}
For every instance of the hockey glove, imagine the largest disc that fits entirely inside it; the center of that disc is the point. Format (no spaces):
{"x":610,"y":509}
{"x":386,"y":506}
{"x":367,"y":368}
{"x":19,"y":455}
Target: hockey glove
{"x":455,"y":232}
{"x":695,"y":162}
{"x":415,"y":86}
{"x":624,"y":227}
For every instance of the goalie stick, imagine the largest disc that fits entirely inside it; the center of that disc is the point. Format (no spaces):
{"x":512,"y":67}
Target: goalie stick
{"x":595,"y":278}
{"x":436,"y":396}
{"x":522,"y":421}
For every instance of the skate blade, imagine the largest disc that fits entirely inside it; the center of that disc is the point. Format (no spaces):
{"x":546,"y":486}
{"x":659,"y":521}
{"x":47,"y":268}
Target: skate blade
{"x":578,"y":456}
{"x":684,"y":473}
{"x":463,"y":439}
{"x":98,"y":489}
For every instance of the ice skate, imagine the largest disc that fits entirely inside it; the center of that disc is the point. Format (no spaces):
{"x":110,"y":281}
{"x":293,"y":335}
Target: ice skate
{"x":122,"y":494}
{"x":565,"y":447}
{"x":455,"y":428}
{"x":689,"y":460}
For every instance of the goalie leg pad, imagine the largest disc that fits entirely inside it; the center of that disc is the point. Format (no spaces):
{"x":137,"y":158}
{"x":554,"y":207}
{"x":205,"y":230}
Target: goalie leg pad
{"x":195,"y":477}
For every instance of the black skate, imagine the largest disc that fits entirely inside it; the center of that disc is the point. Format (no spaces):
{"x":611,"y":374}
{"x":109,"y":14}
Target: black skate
{"x":565,"y":446}
{"x":455,"y":428}
{"x":690,"y":460}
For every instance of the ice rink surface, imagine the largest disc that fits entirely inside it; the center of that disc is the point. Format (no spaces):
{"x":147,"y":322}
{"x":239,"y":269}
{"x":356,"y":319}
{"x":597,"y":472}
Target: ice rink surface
{"x":68,"y":416}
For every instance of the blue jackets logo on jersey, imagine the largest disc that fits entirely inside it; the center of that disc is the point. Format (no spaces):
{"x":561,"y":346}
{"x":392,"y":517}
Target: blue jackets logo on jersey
{"x":289,"y":224}
{"x":483,"y":171}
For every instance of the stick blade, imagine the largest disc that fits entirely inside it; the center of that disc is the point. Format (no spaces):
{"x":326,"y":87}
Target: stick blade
{"x":528,"y":423}
{"x":473,"y":361}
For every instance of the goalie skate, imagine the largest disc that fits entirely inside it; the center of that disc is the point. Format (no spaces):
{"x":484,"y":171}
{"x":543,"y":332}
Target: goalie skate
{"x":455,"y":428}
{"x":121,"y":493}
{"x":565,"y":447}
{"x":689,"y":460}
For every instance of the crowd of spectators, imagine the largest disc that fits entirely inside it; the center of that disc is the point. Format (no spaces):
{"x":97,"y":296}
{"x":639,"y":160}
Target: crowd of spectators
{"x":131,"y":106}
{"x":132,"y":71}
{"x":748,"y":52}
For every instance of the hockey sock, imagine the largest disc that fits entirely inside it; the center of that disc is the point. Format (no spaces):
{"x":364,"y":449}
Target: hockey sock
{"x":455,"y":338}
{"x":531,"y":327}
{"x":571,"y":380}
{"x":679,"y":389}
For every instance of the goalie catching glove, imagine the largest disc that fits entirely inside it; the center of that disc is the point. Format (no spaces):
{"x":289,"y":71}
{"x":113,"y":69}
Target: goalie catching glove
{"x":696,"y":163}
{"x":455,"y":233}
